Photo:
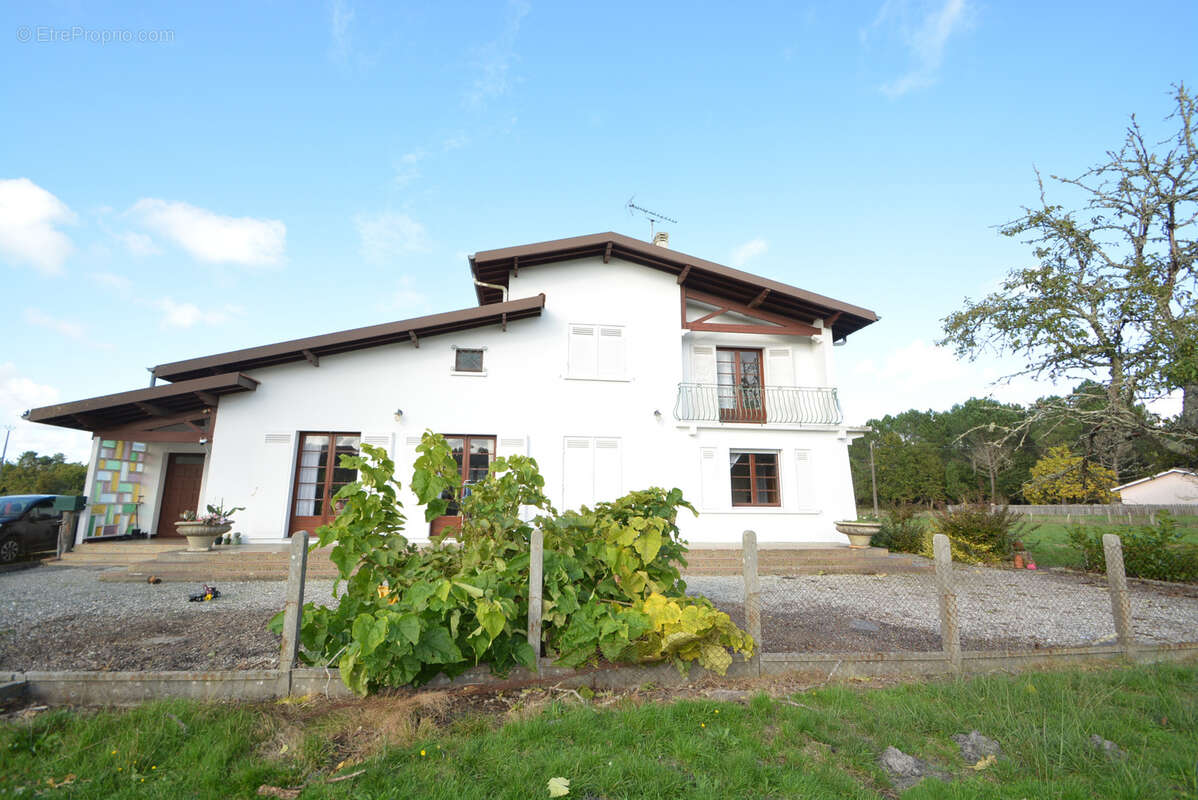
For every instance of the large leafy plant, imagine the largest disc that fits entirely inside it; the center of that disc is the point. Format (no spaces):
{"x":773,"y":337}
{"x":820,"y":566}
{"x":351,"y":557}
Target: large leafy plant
{"x":611,"y":581}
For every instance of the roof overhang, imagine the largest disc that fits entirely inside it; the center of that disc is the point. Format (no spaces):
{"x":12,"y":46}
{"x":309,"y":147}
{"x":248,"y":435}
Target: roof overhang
{"x":312,"y":348}
{"x":165,"y":404}
{"x":495,"y":266}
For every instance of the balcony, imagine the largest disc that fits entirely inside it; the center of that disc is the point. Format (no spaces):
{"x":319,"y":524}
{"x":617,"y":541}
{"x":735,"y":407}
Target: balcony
{"x":793,"y":405}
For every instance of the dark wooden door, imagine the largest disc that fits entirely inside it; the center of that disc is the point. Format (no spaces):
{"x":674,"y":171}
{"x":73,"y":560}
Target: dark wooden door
{"x":180,"y":490}
{"x":318,"y":476}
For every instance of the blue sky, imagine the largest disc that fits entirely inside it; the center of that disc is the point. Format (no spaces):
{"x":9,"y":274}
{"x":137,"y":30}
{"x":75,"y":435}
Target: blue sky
{"x":228,"y":175}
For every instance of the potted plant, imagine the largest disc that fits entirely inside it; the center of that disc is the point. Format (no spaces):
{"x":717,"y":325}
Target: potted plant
{"x":202,"y":531}
{"x":859,"y":531}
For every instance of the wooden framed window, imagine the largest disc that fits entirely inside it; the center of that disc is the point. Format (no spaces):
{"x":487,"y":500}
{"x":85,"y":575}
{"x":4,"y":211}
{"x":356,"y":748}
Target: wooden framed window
{"x":740,"y":388}
{"x":465,"y":360}
{"x":474,"y":455}
{"x":754,"y":479}
{"x":319,"y":476}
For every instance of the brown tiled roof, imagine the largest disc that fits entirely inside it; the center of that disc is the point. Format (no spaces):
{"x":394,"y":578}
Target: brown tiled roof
{"x":313,"y":347}
{"x":495,"y":266}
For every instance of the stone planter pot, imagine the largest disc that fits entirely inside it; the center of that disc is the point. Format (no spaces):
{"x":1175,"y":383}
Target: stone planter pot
{"x":859,"y":533}
{"x":200,"y":536}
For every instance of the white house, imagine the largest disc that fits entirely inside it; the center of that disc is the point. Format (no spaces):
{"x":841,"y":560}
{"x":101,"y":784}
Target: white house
{"x":616,"y":363}
{"x":1171,"y":487}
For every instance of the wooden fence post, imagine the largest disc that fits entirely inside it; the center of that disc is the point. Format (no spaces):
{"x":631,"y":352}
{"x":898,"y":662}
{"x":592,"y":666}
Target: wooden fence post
{"x":752,"y":595}
{"x":950,"y":632}
{"x":293,"y":612}
{"x":1112,"y":547}
{"x":536,"y":566}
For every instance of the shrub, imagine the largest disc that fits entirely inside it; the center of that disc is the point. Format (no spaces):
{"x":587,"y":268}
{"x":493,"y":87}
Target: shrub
{"x":611,"y":583}
{"x":978,"y":533}
{"x":903,"y":530}
{"x":1155,"y":551}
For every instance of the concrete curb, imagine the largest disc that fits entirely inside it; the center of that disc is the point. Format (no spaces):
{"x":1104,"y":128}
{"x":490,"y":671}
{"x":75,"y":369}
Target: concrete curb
{"x":129,"y":688}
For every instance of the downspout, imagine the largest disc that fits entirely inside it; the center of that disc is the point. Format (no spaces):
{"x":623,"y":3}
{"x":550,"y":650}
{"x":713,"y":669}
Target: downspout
{"x":503,"y":289}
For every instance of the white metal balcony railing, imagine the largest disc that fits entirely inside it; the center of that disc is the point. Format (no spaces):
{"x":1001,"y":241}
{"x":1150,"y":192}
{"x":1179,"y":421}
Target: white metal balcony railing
{"x":709,"y":402}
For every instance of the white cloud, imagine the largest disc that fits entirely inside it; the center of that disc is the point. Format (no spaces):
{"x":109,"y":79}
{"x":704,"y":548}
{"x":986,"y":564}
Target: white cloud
{"x":111,"y":281}
{"x":212,"y":237}
{"x":924,"y":32}
{"x":406,"y":170}
{"x":186,"y":315}
{"x":390,"y":234}
{"x":29,"y":220}
{"x":748,"y":251}
{"x":494,"y":59}
{"x":339,"y":30}
{"x":408,"y":301}
{"x":71,"y":330}
{"x":138,"y":244}
{"x":19,"y":394}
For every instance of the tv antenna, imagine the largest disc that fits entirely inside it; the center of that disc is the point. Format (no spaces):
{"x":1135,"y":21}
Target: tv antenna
{"x":652,"y":216}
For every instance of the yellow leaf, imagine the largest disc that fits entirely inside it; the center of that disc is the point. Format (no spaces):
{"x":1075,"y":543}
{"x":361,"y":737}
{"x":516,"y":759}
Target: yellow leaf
{"x":985,"y":762}
{"x":559,"y":787}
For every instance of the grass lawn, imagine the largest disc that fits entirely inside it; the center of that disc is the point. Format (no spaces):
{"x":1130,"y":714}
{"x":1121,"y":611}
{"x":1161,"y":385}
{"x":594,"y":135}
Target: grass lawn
{"x":1049,"y":542}
{"x":821,"y":743}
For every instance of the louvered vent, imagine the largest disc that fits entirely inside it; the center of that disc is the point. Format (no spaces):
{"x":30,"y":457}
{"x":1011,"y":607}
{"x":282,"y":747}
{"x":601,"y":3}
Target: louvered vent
{"x":607,"y":443}
{"x":378,"y":441}
{"x":277,"y":438}
{"x":610,"y":332}
{"x":413,"y":440}
{"x":511,"y":444}
{"x":583,"y":444}
{"x":582,"y":330}
{"x":779,"y":353}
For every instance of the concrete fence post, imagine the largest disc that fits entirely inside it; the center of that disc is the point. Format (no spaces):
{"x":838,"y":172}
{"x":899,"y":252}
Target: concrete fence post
{"x":293,"y":611}
{"x":1112,"y":547}
{"x":950,"y":631}
{"x":536,"y":566}
{"x":752,"y":595}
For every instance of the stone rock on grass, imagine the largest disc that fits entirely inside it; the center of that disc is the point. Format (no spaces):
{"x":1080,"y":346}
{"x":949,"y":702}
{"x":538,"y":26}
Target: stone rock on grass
{"x":730,"y":695}
{"x":974,"y":746}
{"x":1112,"y":750}
{"x":906,"y":770}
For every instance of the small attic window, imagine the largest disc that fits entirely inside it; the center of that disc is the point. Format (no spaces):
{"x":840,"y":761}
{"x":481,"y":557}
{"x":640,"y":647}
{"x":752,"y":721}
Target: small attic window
{"x":468,"y":360}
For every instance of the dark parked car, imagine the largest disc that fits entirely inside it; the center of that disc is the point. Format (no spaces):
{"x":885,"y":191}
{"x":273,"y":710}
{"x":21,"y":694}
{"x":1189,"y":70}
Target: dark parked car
{"x":28,"y":523}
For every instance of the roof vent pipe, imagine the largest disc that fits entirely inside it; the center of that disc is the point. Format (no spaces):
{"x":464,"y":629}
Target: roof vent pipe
{"x":502,"y":289}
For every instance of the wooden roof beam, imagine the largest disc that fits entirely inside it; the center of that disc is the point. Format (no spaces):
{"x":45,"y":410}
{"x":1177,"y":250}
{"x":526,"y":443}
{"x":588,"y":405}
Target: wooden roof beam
{"x":415,"y":341}
{"x":607,"y":253}
{"x":311,"y":357}
{"x":759,"y":299}
{"x":682,"y":276}
{"x":153,"y":410}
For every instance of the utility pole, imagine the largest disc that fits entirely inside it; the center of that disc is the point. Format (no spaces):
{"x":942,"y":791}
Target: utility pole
{"x":873,"y":476}
{"x":4,"y":452}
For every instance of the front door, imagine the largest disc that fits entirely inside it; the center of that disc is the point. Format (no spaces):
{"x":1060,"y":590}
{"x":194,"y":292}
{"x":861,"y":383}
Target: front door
{"x":319,"y":476}
{"x":741,"y":391}
{"x":180,"y":490}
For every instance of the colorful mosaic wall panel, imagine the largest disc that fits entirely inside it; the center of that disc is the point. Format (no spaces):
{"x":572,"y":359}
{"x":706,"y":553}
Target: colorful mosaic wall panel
{"x":117,"y":488}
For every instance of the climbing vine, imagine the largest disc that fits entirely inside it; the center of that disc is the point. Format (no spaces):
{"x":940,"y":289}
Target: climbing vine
{"x":612,"y":587}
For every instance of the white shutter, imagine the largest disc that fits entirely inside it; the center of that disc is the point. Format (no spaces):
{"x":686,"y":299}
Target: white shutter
{"x":405,"y":459}
{"x":578,"y":473}
{"x":383,"y":440}
{"x":512,"y":446}
{"x":582,"y":351}
{"x":703,"y":364}
{"x":779,"y":367}
{"x":277,"y":438}
{"x":714,"y":491}
{"x":806,"y":496}
{"x":608,"y":478}
{"x":610,"y":353}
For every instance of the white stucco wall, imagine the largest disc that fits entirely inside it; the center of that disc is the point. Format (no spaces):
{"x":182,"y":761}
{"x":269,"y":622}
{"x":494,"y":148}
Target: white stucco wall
{"x":527,"y":400}
{"x":1168,"y":489}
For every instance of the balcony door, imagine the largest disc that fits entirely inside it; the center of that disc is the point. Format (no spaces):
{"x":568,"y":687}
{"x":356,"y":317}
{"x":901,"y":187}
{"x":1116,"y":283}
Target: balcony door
{"x":741,"y":390}
{"x":319,"y":476}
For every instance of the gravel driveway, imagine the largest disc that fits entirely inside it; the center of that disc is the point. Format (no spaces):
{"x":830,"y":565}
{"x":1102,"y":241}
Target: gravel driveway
{"x":64,"y":618}
{"x":997,"y":609}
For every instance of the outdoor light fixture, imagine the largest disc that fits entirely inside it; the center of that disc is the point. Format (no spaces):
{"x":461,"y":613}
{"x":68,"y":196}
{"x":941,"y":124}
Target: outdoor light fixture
{"x":657,"y":413}
{"x":398,"y":414}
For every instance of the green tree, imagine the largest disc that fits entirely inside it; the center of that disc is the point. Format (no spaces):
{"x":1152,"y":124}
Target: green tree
{"x":1062,"y":477}
{"x":1112,"y":291}
{"x":34,"y":474}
